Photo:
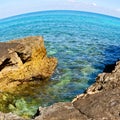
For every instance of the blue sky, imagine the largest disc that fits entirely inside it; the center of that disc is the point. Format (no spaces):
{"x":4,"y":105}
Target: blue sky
{"x":15,"y":7}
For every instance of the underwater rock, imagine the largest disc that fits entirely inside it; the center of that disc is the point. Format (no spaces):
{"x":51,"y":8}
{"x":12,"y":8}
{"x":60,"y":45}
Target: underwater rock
{"x":24,"y":60}
{"x":101,"y":101}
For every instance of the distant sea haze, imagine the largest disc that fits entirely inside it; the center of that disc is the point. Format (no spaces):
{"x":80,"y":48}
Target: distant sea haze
{"x":82,"y":42}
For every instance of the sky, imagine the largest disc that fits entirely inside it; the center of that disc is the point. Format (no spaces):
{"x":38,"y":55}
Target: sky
{"x":15,"y":7}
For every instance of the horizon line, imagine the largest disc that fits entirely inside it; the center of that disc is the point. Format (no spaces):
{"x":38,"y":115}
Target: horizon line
{"x":58,"y":10}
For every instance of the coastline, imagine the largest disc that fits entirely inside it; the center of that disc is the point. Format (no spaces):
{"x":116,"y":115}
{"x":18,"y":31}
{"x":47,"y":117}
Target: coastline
{"x":75,"y":110}
{"x":80,"y":108}
{"x":103,"y":95}
{"x":99,"y":102}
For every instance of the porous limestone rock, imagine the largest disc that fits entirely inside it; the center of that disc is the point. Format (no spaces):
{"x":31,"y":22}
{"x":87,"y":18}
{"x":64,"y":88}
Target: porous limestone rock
{"x":24,"y":60}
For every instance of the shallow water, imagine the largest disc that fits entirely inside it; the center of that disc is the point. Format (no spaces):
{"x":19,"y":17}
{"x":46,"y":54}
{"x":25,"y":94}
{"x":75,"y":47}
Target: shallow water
{"x":83,"y":43}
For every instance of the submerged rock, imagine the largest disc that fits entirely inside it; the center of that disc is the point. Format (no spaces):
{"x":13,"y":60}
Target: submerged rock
{"x":24,"y":60}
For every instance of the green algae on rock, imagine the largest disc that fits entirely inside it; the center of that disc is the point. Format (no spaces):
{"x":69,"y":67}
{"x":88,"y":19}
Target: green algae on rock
{"x":24,"y":60}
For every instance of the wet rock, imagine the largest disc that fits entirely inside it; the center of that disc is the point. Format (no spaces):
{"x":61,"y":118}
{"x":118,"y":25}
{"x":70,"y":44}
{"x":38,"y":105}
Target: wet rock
{"x":22,"y":61}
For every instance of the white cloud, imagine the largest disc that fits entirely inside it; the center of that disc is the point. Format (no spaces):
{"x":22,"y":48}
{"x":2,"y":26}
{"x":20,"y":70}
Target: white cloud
{"x":94,"y":4}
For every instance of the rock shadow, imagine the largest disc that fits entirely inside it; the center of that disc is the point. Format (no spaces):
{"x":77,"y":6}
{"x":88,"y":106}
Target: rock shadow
{"x":111,"y":55}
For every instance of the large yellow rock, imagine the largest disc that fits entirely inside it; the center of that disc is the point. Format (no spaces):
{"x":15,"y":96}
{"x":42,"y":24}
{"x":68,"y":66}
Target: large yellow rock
{"x":24,"y":60}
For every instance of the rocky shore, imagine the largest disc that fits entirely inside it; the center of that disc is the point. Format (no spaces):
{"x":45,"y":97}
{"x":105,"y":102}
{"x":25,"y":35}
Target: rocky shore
{"x":23,"y":61}
{"x":101,"y":101}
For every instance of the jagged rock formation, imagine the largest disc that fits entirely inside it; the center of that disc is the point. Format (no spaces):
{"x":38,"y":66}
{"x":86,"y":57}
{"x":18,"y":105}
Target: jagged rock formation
{"x":101,"y":101}
{"x":24,"y":60}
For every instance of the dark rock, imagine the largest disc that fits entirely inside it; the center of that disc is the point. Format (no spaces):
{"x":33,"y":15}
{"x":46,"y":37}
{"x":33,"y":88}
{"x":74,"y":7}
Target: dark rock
{"x":109,"y":68}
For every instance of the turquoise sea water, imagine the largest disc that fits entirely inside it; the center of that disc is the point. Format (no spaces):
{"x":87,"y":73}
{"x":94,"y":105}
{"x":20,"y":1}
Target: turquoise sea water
{"x":83,"y":43}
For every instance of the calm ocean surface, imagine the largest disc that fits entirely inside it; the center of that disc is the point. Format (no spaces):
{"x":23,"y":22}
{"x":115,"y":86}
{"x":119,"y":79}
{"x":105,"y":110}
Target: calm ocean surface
{"x":82,"y":42}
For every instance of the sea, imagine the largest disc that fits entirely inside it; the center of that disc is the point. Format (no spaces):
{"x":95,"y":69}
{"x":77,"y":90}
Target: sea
{"x":84,"y":43}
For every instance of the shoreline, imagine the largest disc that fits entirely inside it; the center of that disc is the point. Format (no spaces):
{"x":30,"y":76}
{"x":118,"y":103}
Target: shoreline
{"x":103,"y":95}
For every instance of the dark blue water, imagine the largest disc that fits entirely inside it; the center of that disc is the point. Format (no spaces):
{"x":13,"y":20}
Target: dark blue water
{"x":83,"y":43}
